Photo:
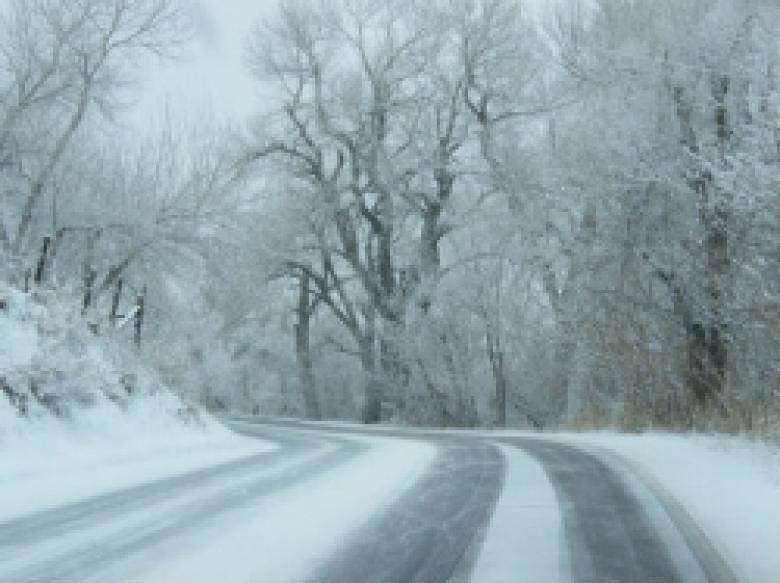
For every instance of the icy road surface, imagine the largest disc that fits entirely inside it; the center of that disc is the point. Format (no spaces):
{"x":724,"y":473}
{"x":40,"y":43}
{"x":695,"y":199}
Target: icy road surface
{"x":343,"y":504}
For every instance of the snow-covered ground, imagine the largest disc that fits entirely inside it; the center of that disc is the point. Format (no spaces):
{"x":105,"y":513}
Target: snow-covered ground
{"x":69,"y":426}
{"x":53,"y":462}
{"x":729,"y":486}
{"x":285,"y":537}
{"x":524,"y":539}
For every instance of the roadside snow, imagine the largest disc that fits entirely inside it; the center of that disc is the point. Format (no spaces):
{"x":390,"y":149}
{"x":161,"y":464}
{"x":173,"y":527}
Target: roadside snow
{"x":286,"y":536}
{"x":84,"y":544}
{"x":729,"y":486}
{"x":80,"y":415}
{"x":48,"y":462}
{"x":523,"y":541}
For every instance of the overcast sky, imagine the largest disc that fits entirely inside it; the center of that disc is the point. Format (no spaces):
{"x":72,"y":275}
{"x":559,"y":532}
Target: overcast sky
{"x":211,"y":79}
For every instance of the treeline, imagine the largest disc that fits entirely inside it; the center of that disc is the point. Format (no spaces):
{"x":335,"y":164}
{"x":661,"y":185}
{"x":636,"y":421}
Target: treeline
{"x":450,"y":213}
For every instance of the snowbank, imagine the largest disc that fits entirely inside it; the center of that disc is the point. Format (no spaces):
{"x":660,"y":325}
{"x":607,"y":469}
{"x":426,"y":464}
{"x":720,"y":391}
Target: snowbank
{"x":82,"y":409}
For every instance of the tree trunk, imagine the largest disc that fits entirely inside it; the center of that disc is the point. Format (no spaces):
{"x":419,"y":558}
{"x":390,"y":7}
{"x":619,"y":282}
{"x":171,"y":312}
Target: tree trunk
{"x":394,"y":367}
{"x":709,"y":342}
{"x":567,"y":342}
{"x":496,"y":356}
{"x":140,"y":301}
{"x":707,"y":334}
{"x":36,"y":191}
{"x":372,"y":403}
{"x":303,"y":348}
{"x":40,"y":269}
{"x":718,"y":261}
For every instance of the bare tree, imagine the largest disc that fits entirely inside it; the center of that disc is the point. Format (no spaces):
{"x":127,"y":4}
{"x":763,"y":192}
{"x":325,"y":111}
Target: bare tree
{"x":691,"y":84}
{"x":377,"y":117}
{"x":61,"y":61}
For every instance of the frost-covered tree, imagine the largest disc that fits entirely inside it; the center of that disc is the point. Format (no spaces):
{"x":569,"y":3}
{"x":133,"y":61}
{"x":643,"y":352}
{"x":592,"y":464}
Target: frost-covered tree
{"x":59,"y":63}
{"x":387,"y":118}
{"x":674,"y":140}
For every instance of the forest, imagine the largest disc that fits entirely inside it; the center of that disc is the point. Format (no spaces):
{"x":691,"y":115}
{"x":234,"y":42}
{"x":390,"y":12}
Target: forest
{"x":452,"y":213}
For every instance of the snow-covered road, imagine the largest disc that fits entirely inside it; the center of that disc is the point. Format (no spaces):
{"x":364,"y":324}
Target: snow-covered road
{"x":342,"y":504}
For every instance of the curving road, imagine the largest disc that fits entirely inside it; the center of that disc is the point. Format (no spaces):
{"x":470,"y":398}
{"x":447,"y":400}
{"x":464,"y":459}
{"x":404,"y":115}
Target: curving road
{"x":617,"y":527}
{"x":610,"y":532}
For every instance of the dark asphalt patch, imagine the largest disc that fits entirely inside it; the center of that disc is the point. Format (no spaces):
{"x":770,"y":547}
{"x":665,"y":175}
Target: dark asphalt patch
{"x":425,"y":536}
{"x":611,"y":538}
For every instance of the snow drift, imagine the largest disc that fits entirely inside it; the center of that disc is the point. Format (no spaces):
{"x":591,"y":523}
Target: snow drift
{"x":70,"y":399}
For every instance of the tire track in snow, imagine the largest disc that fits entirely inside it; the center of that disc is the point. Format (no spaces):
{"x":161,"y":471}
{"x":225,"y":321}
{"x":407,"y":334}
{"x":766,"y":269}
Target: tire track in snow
{"x":609,"y":533}
{"x":429,"y":533}
{"x":33,"y":528}
{"x":715,"y":568}
{"x":619,"y":526}
{"x":99,"y":551}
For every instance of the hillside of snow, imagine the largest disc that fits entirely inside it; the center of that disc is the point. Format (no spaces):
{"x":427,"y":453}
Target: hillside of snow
{"x":83,"y":408}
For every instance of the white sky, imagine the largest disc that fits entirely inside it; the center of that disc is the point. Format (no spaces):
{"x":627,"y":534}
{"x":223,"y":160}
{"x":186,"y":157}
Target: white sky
{"x":211,"y":79}
{"x":212,"y":82}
